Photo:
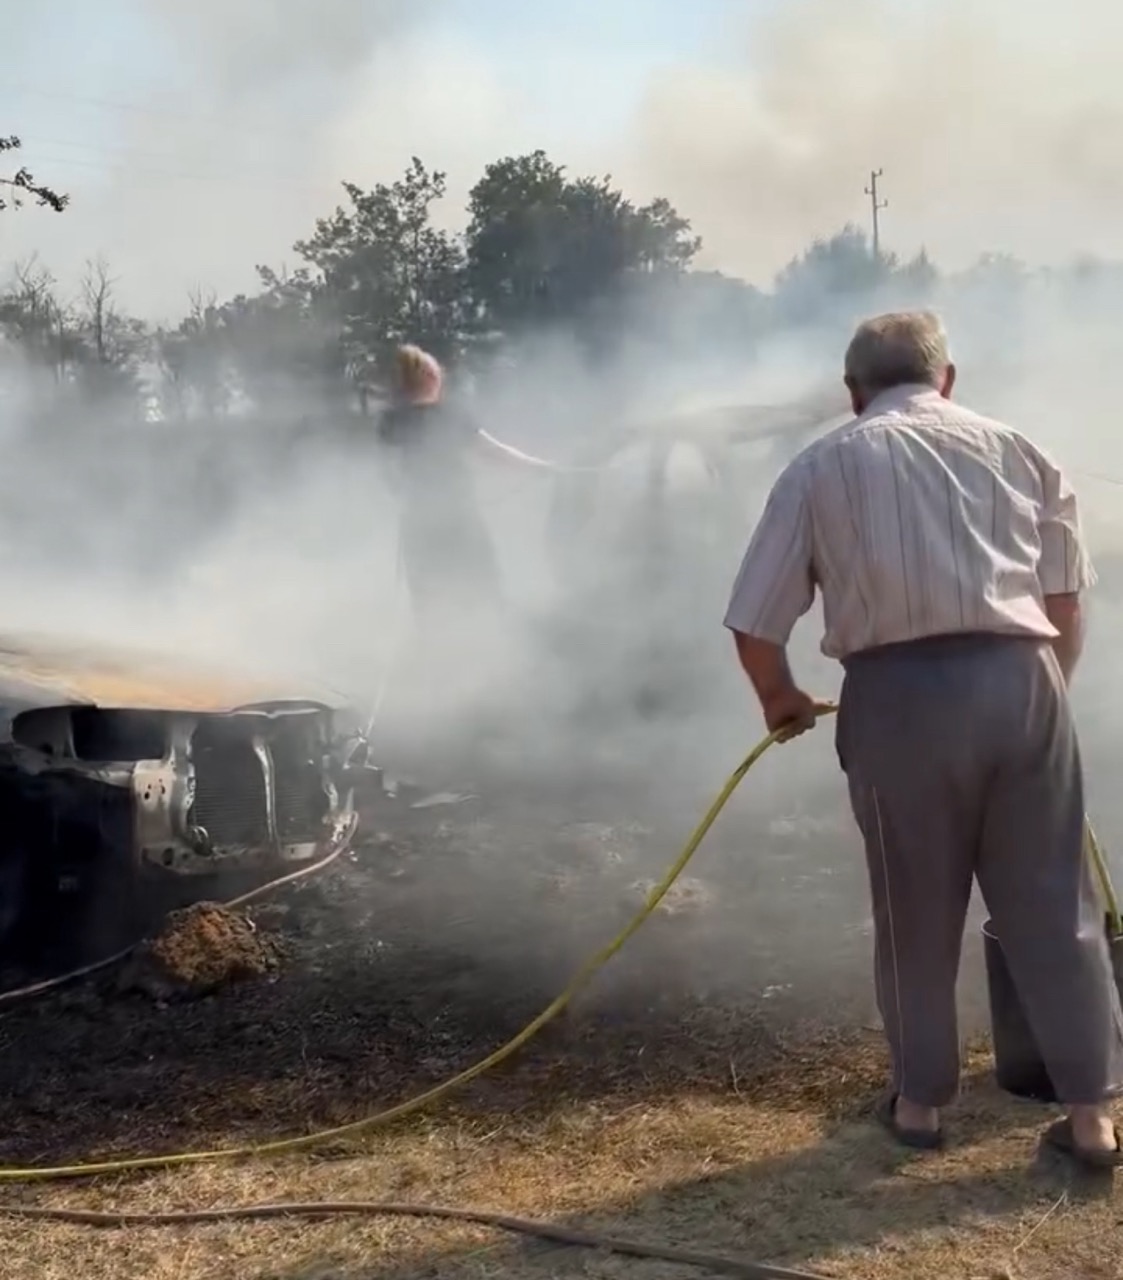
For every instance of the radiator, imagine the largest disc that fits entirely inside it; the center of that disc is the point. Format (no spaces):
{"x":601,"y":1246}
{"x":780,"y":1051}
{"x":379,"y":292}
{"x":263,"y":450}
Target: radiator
{"x":300,"y":798}
{"x":231,"y":801}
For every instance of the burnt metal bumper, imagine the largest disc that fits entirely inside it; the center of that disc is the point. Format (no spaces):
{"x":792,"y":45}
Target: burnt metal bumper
{"x":240,"y":790}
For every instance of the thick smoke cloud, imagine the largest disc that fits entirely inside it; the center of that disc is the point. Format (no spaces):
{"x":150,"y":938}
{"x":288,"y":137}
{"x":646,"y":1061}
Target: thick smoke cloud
{"x":993,"y":122}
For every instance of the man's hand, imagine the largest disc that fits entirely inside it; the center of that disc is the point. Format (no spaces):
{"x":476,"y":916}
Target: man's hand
{"x":788,"y":709}
{"x":790,"y":712}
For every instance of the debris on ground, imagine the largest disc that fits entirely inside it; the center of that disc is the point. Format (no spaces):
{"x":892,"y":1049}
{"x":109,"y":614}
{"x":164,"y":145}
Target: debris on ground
{"x":200,"y":949}
{"x":804,"y":826}
{"x":604,"y":844}
{"x":685,"y":895}
{"x":441,"y":798}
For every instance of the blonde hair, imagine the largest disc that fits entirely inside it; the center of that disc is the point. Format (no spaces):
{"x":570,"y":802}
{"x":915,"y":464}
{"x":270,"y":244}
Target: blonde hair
{"x":420,"y":376}
{"x":896,"y":349}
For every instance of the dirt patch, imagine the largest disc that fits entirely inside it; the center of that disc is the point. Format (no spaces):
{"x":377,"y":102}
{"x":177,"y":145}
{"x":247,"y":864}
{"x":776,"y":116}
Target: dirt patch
{"x":200,"y":950}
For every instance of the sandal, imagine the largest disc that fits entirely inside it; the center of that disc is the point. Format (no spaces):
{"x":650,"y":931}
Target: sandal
{"x":1059,"y":1137}
{"x":914,"y":1139}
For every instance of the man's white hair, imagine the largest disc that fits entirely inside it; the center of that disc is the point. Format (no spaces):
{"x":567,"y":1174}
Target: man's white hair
{"x":898,"y":349}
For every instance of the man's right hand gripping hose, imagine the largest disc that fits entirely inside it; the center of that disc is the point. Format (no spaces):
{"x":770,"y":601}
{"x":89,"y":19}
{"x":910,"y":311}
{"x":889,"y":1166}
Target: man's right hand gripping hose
{"x":429,"y":1097}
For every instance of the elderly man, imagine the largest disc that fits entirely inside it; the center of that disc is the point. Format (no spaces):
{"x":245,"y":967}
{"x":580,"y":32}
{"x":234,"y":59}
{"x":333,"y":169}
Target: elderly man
{"x":948,"y":552}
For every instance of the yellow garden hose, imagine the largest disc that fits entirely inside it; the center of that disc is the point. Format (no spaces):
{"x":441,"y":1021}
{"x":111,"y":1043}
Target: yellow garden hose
{"x":1103,"y":879}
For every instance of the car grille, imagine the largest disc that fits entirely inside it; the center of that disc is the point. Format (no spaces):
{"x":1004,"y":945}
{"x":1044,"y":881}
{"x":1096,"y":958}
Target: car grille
{"x":300,"y":798}
{"x":230,"y":795}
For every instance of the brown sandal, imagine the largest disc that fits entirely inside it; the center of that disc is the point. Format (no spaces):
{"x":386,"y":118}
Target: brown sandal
{"x":914,"y":1139}
{"x":1059,"y":1137}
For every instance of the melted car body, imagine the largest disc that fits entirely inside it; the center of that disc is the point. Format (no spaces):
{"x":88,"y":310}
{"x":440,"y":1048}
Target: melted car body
{"x":131,"y":765}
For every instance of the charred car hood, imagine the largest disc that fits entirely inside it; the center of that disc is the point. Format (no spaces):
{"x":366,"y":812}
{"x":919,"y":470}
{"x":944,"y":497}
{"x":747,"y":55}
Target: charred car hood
{"x":46,"y":672}
{"x":216,"y":769}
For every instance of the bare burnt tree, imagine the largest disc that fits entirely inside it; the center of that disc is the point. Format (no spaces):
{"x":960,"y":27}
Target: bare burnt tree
{"x":114,"y":343}
{"x":34,"y":320}
{"x":97,"y":296}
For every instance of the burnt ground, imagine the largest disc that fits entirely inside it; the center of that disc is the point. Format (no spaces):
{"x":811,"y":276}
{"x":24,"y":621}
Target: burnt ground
{"x":709,"y":1088}
{"x":436,"y":938}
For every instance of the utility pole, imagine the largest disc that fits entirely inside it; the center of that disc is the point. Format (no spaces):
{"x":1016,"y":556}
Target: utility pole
{"x":876,"y":206}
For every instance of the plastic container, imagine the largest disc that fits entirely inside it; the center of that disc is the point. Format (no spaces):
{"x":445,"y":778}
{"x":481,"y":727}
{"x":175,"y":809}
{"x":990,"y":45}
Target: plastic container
{"x":1018,"y":1065}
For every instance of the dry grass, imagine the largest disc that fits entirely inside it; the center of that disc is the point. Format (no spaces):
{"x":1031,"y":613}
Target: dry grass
{"x":687,"y":1121}
{"x":750,"y":1174}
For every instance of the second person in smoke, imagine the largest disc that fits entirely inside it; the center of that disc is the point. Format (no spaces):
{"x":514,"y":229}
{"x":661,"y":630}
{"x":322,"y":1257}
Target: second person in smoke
{"x":445,"y":546}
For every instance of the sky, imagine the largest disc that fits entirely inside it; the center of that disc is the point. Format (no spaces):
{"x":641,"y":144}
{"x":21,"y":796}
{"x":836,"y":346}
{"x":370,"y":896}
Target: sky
{"x":198,"y":140}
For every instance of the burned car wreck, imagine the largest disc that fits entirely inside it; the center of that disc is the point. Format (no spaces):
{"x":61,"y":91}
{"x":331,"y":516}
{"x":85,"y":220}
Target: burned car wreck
{"x":130,"y":786}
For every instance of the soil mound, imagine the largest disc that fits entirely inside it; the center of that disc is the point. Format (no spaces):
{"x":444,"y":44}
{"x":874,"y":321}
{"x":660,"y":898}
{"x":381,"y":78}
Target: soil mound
{"x":200,"y":949}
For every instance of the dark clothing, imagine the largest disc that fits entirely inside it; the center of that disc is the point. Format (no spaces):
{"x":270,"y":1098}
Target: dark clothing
{"x":432,"y":443}
{"x":962,"y":762}
{"x":446,"y":548}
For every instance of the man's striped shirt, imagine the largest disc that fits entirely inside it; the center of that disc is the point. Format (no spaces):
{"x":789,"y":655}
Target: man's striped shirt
{"x":919,"y":518}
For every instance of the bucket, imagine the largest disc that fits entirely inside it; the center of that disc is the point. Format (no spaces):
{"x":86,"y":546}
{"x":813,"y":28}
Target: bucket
{"x":1018,"y":1065}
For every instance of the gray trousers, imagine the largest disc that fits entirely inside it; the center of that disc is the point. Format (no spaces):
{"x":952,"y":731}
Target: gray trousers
{"x":962,"y":762}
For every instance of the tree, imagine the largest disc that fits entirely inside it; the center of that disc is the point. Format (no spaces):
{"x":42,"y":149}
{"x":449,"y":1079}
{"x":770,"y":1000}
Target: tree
{"x":835,"y":276}
{"x":543,"y":249}
{"x":828,"y":273}
{"x":194,"y":361}
{"x":282,"y":345}
{"x":86,"y":352}
{"x":115,"y":344}
{"x":388,"y":275}
{"x":37,"y":325}
{"x":22,"y":184}
{"x":989,"y":308}
{"x":690,"y":325}
{"x":919,"y":278}
{"x":999,"y":275}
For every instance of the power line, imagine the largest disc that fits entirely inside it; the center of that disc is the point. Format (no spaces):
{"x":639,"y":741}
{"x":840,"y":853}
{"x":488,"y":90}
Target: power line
{"x":147,"y":109}
{"x":1097,"y":475}
{"x":107,"y":149}
{"x":170,"y":175}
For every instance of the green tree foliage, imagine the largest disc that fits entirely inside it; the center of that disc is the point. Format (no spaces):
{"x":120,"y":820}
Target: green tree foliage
{"x":830,"y":271}
{"x":388,"y":274}
{"x":918,"y":278}
{"x":836,"y":276}
{"x":193,"y":359}
{"x":543,"y":249}
{"x":283,"y":344}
